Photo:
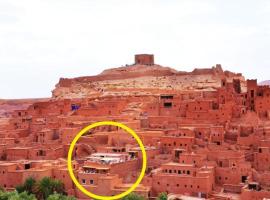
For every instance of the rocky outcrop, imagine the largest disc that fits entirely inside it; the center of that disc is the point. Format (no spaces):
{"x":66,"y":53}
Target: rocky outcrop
{"x":142,"y":80}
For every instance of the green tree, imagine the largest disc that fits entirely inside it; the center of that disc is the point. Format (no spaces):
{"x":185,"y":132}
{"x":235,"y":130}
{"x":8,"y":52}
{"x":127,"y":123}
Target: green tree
{"x":20,"y":188}
{"x":44,"y":188}
{"x":162,"y":196}
{"x":16,"y":196}
{"x":133,"y":196}
{"x":60,"y":197}
{"x":28,"y":186}
{"x":25,"y":196}
{"x":41,"y":189}
{"x":58,"y":186}
{"x":48,"y":186}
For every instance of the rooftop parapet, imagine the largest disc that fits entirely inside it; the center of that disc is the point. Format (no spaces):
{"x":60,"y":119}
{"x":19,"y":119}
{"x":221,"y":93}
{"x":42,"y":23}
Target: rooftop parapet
{"x":108,"y":158}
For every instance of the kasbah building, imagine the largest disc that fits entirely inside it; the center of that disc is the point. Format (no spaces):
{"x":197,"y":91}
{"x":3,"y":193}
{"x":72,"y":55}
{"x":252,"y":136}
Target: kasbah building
{"x":206,"y":134}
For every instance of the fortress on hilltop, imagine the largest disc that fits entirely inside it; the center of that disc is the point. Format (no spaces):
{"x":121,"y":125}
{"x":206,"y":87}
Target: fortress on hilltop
{"x":144,"y":59}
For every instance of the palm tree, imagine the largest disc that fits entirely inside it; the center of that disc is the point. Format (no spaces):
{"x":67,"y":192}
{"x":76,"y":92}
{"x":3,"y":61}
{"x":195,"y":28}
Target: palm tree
{"x":20,"y":188}
{"x":48,"y":186}
{"x":58,"y":187}
{"x":27,"y":186}
{"x":162,"y":196}
{"x":44,"y":188}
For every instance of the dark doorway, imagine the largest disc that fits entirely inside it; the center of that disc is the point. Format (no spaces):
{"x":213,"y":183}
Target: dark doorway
{"x":244,"y":178}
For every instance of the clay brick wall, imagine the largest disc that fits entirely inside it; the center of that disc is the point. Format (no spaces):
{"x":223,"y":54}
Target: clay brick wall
{"x":181,"y":184}
{"x":169,"y":143}
{"x":144,"y":59}
{"x":254,"y":195}
{"x":191,"y":158}
{"x":17,"y":153}
{"x":262,"y":159}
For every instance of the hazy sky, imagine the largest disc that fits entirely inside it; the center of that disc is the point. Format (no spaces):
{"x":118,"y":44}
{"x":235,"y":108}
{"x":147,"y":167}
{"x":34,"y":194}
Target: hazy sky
{"x":43,"y":40}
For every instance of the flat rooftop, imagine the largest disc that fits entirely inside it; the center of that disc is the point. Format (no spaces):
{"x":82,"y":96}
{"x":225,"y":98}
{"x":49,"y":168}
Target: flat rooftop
{"x":106,"y":155}
{"x":179,"y":164}
{"x":184,"y":197}
{"x":108,"y":158}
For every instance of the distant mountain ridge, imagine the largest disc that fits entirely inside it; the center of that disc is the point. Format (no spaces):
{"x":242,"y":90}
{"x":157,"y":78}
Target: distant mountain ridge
{"x":267,"y":82}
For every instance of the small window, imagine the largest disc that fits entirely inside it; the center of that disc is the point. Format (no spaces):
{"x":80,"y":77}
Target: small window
{"x":27,"y":166}
{"x":252,"y":93}
{"x":83,"y":181}
{"x":91,"y":182}
{"x":223,"y":83}
{"x":167,"y":105}
{"x":166,"y":97}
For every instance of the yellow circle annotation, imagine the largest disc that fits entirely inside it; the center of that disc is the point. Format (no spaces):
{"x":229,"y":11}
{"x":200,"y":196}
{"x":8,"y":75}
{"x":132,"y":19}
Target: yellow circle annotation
{"x":131,"y":132}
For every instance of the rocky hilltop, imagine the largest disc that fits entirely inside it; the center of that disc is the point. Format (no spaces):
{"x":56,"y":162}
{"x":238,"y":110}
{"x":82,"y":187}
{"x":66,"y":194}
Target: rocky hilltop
{"x":267,"y":82}
{"x":143,"y":78}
